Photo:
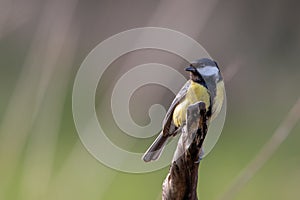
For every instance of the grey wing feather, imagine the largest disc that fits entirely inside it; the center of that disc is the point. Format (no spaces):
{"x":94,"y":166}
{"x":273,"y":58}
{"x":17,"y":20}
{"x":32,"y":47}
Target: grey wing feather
{"x":168,"y":127}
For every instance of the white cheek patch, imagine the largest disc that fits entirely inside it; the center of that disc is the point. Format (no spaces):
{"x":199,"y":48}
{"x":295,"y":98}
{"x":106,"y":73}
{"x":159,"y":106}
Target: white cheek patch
{"x":208,"y":71}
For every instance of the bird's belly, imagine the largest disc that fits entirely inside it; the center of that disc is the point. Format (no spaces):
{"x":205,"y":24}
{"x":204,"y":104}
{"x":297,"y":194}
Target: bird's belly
{"x":195,"y":94}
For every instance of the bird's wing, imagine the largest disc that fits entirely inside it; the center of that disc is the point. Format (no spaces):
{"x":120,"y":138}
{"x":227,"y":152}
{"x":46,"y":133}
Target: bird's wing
{"x":168,"y":127}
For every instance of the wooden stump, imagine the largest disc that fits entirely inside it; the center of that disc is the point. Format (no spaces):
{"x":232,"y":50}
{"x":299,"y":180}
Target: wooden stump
{"x":181,"y":181}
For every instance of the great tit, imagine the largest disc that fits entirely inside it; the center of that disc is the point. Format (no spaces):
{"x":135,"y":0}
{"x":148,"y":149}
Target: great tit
{"x":206,"y":84}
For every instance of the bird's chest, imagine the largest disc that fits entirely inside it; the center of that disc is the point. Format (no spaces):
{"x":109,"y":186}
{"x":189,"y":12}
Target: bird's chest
{"x":195,"y":93}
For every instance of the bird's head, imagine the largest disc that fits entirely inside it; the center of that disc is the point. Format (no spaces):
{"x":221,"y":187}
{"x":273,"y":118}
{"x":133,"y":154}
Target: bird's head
{"x":204,"y":69}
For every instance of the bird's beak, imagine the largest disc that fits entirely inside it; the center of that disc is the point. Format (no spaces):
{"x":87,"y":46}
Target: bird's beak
{"x":190,"y":69}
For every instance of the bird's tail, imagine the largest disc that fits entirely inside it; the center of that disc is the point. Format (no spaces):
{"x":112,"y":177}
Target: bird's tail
{"x":156,"y":148}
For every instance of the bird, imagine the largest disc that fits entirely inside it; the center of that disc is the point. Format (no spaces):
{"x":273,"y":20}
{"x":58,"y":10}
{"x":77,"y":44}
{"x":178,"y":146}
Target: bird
{"x":205,"y":85}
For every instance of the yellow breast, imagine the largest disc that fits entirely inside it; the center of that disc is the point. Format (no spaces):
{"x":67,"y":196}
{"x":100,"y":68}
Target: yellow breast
{"x":195,"y":93}
{"x":218,"y":100}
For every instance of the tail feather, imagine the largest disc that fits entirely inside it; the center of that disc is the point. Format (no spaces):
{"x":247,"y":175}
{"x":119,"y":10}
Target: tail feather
{"x":155,"y":149}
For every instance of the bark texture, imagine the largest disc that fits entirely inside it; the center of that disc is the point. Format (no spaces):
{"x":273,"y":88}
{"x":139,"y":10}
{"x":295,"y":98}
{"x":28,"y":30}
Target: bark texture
{"x":181,"y":181}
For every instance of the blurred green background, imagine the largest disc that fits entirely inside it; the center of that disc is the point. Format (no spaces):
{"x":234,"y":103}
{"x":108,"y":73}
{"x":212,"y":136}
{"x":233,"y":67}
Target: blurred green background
{"x":42,"y":44}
